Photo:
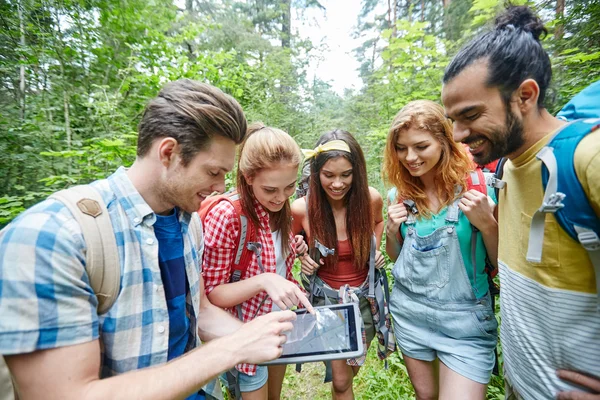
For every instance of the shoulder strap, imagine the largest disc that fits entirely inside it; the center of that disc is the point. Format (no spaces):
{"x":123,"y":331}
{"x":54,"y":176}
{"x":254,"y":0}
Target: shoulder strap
{"x":476,"y":180}
{"x":196,"y":229}
{"x":102,"y":258}
{"x":564,"y":195}
{"x":495,"y":180}
{"x":245,"y":243}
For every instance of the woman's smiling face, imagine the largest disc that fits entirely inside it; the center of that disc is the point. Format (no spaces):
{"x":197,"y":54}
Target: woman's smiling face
{"x":418,"y":151}
{"x":336,"y":177}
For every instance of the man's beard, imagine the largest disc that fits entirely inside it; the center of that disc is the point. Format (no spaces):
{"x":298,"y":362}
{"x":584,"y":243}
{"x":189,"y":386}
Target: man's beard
{"x":506,"y":141}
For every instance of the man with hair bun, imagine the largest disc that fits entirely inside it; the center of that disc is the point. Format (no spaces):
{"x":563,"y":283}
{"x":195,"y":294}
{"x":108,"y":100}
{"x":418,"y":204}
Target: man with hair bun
{"x":494,"y":91}
{"x":58,"y":346}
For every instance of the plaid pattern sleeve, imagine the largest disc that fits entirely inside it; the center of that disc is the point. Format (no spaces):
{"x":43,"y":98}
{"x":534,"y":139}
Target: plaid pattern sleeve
{"x":221,"y":227}
{"x":45,"y":297}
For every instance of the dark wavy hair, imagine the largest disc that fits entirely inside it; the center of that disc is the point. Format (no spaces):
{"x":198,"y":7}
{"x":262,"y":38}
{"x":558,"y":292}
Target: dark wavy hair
{"x":513,"y":52}
{"x":359,"y":216}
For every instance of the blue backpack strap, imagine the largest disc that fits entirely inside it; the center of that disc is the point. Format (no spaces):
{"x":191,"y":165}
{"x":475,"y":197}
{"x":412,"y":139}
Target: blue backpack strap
{"x":564,"y":195}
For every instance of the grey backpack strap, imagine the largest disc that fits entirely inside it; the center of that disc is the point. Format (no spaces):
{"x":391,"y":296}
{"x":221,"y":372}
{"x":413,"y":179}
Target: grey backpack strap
{"x":552,"y":202}
{"x":102,"y":257}
{"x":591,"y":244}
{"x":196,"y":229}
{"x":372,"y":267}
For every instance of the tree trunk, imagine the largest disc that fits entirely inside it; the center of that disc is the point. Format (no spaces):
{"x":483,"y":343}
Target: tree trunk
{"x":22,"y":63}
{"x":286,"y":23}
{"x":560,"y":12}
{"x":422,"y":10}
{"x":389,"y":14}
{"x":394,"y":26}
{"x":446,"y":3}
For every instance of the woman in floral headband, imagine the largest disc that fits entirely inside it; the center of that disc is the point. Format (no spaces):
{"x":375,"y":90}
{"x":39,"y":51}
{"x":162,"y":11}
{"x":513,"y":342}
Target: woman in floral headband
{"x":340,"y":212}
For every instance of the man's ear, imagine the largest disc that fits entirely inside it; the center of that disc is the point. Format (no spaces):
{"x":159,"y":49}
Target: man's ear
{"x":168,"y":151}
{"x":527,"y":95}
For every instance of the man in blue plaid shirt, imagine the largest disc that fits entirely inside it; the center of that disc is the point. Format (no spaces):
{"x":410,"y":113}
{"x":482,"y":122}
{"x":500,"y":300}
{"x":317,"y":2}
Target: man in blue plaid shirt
{"x":55,"y":343}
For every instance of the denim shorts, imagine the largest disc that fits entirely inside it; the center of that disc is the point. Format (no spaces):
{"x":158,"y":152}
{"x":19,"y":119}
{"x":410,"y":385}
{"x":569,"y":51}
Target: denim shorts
{"x":251,"y":383}
{"x":462,"y":336}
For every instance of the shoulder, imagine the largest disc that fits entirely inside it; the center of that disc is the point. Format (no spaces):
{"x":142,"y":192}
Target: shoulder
{"x":220,"y":221}
{"x":587,"y":167}
{"x":299,"y":207}
{"x":391,"y":195}
{"x":223,"y":210}
{"x":49,"y":219}
{"x":588,"y":151}
{"x":376,"y":199}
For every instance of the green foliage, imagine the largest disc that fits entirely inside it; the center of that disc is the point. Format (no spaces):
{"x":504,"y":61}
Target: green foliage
{"x":76,"y":76}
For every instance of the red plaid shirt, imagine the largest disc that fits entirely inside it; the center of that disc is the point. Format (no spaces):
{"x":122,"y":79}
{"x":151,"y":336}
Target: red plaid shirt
{"x":221,"y":229}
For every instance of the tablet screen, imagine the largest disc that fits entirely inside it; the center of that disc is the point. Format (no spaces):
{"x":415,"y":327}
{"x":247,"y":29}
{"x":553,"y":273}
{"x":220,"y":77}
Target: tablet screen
{"x":331,"y":330}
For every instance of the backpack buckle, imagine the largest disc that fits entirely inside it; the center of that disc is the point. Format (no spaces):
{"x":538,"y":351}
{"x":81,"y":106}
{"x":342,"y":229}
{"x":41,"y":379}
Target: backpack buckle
{"x":554,"y":203}
{"x":411,"y":206}
{"x":589,"y":240}
{"x":494,"y":182}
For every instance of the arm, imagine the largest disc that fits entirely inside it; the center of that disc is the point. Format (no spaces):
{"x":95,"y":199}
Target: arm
{"x":283,"y":292}
{"x":477,"y":208}
{"x":71,"y":372}
{"x":300,"y":223}
{"x":221,"y":230}
{"x":377,"y":206}
{"x":393,"y":239}
{"x":299,"y":216}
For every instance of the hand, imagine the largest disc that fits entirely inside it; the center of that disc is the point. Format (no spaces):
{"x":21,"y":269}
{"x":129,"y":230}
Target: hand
{"x":300,"y":246}
{"x":261,"y":339}
{"x":477,"y":208}
{"x":379,"y":259}
{"x":308,"y":265}
{"x":582,"y":380}
{"x":397,"y":214}
{"x":283,"y":292}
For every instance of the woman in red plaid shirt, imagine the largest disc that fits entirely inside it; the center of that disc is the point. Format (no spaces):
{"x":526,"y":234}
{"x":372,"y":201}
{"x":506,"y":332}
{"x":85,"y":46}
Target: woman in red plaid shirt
{"x":266,"y":177}
{"x":342,"y":213}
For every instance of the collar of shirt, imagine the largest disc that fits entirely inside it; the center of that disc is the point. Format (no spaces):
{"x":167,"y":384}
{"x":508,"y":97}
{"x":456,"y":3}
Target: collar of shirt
{"x":134,"y":205}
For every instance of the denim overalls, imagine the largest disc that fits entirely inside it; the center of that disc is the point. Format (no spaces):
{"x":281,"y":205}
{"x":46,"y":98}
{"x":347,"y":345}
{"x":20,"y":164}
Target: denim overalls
{"x":435,"y":311}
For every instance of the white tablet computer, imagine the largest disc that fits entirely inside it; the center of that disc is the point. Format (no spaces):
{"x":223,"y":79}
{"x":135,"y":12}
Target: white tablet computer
{"x":332,"y":333}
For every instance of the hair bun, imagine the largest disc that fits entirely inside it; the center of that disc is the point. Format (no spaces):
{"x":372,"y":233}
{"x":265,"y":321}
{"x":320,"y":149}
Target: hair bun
{"x":522,"y":17}
{"x":254,"y":127}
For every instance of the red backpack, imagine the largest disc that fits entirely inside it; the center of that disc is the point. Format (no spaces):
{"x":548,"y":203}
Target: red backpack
{"x":477,"y":180}
{"x":246,"y":244}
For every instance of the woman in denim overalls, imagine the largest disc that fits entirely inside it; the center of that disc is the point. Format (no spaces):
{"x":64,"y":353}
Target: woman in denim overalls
{"x":440,"y":302}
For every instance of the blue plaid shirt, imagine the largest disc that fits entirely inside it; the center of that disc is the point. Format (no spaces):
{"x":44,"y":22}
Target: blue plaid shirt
{"x":46,"y":300}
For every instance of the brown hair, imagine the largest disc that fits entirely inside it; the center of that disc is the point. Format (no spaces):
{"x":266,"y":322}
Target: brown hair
{"x":192,"y":113}
{"x":452,"y":168}
{"x":359,"y":216}
{"x":263,"y":148}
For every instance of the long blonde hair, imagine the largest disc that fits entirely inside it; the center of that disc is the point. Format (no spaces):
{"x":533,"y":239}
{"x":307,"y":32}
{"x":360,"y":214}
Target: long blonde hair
{"x":263,"y":148}
{"x":452,"y":168}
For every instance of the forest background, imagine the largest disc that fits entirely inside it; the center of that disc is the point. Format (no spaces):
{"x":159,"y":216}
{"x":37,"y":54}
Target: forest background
{"x":75,"y":76}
